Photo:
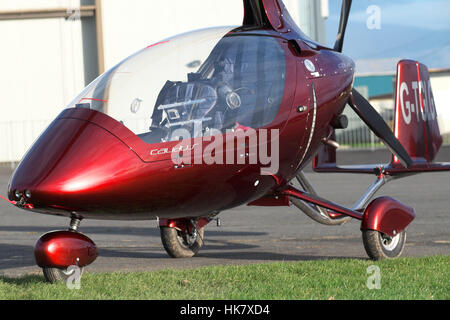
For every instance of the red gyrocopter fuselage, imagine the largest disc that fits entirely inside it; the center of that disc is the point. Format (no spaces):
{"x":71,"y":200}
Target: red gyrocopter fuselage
{"x":260,"y":100}
{"x":89,"y":164}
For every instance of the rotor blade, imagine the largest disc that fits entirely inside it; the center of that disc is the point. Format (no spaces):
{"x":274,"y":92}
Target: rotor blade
{"x":375,"y":122}
{"x":254,"y":13}
{"x":345,"y":12}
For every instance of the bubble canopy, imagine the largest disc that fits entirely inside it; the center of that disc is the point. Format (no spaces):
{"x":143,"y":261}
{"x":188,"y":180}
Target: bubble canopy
{"x":216,"y":78}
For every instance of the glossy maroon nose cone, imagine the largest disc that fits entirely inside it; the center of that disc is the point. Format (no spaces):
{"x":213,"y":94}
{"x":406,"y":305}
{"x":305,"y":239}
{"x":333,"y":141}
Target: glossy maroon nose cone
{"x":71,"y":167}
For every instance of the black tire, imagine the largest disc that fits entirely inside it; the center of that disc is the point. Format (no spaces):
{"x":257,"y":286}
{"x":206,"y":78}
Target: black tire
{"x":54,"y":275}
{"x":181,"y":245}
{"x":380,"y":246}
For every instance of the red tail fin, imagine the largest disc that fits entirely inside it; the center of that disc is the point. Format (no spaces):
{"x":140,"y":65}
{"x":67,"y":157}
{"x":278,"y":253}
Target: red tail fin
{"x":415,"y":124}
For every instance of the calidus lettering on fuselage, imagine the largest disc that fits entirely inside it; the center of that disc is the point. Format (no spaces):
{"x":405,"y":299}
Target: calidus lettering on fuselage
{"x":176,"y":149}
{"x":242,"y":146}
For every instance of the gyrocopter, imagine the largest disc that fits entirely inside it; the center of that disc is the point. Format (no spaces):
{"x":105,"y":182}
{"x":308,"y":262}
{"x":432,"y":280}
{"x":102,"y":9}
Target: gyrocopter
{"x":217,"y":118}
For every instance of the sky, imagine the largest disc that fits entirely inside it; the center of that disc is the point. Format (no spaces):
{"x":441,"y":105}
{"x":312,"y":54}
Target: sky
{"x":384,"y":31}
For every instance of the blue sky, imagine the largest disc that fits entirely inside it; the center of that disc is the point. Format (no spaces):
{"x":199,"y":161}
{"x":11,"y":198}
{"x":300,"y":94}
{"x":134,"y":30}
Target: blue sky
{"x":413,"y":29}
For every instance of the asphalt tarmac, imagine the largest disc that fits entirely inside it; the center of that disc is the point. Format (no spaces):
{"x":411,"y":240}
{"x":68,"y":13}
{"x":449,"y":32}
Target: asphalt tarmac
{"x":247,"y":234}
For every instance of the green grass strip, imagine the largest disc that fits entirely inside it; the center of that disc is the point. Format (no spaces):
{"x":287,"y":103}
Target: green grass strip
{"x":404,"y":278}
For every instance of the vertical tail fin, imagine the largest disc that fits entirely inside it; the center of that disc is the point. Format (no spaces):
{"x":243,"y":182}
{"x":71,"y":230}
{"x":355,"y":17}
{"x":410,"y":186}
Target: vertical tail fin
{"x":415,"y":123}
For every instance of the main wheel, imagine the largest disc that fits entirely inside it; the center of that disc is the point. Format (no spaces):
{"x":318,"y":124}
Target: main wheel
{"x":179,"y":244}
{"x":54,"y":275}
{"x":381,"y":246}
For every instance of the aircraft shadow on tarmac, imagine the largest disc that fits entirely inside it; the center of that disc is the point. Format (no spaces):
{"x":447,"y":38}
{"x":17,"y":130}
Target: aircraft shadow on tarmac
{"x":118,"y":231}
{"x":217,"y":246}
{"x":18,"y":256}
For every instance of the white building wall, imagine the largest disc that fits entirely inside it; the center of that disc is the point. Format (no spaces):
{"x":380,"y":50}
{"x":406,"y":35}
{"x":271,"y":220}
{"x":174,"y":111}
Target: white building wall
{"x":311,"y":17}
{"x":131,"y":25}
{"x":6,"y":5}
{"x":41,"y":68}
{"x":440,"y":84}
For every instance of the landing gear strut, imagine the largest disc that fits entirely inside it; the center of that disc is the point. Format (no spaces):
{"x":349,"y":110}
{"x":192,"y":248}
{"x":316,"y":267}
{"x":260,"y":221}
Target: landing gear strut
{"x":383,"y":220}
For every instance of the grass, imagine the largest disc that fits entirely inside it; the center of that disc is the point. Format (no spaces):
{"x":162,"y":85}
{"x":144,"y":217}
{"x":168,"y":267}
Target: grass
{"x":404,"y":278}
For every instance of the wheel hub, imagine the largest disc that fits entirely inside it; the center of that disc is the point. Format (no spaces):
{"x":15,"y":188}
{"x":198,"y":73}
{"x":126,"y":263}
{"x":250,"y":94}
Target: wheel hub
{"x":390,"y":243}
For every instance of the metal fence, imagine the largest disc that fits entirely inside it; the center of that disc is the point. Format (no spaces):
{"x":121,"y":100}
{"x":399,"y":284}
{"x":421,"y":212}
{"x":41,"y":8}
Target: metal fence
{"x":357,"y":135}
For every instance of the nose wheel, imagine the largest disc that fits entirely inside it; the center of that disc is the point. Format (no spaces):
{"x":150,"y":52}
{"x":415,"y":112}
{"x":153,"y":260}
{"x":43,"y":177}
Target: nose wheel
{"x":182,"y":242}
{"x":63,"y":254}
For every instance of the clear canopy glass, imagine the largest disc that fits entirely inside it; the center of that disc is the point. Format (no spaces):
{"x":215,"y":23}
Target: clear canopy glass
{"x":217,"y":78}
